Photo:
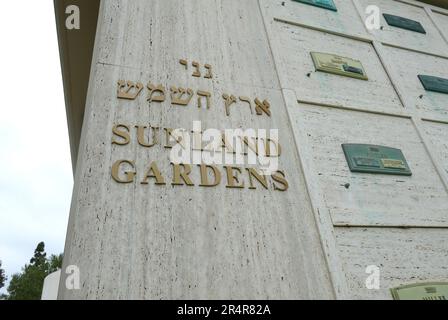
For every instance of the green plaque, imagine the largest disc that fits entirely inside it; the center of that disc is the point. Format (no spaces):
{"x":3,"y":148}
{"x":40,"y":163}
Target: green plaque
{"x":375,"y":159}
{"x":342,"y":66}
{"x":421,"y":291}
{"x":326,"y":4}
{"x":435,"y":84}
{"x":404,"y":23}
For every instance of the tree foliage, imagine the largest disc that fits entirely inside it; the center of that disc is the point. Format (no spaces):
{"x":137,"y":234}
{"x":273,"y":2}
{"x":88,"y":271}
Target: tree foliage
{"x":28,"y":284}
{"x":2,"y":276}
{"x":39,"y":257}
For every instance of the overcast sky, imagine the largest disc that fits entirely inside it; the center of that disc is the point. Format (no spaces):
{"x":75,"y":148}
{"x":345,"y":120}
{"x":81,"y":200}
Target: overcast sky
{"x":35,"y":169}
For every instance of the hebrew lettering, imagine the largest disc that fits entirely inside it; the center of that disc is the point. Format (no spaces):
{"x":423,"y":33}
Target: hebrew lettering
{"x":207,"y":96}
{"x":229,"y":100}
{"x":209,"y":74}
{"x":184,"y":63}
{"x":197,"y":72}
{"x":246,"y":99}
{"x":177,"y":96}
{"x":156,"y":93}
{"x":128,"y":89}
{"x":262,"y":107}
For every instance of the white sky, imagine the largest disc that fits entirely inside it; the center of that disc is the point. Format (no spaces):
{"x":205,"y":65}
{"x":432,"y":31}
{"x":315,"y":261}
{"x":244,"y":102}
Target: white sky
{"x":35,"y":168}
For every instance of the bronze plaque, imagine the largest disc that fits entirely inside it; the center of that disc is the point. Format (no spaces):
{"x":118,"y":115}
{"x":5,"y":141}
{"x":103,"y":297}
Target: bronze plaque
{"x":422,"y":291}
{"x":342,"y":66}
{"x":404,"y":23}
{"x":368,"y":158}
{"x":435,"y":84}
{"x":326,"y":4}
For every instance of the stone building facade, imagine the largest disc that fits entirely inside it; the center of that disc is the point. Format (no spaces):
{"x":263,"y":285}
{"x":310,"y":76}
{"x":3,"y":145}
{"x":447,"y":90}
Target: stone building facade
{"x":143,"y":228}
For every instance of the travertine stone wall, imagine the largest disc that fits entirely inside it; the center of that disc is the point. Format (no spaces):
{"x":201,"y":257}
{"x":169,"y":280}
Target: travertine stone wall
{"x":396,"y":223}
{"x":312,"y":241}
{"x":166,"y":242}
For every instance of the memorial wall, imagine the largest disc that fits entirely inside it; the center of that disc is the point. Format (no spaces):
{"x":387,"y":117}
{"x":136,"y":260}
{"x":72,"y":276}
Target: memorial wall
{"x":310,"y":149}
{"x":392,"y":220}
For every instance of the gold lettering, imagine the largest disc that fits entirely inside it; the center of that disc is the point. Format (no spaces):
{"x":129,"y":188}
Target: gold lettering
{"x":141,"y":136}
{"x":154,"y":172}
{"x":252,"y":146}
{"x":204,"y":176}
{"x":179,"y":174}
{"x":229,"y":100}
{"x":177,"y":96}
{"x":128,"y":90}
{"x":197,"y":72}
{"x":232,"y":177}
{"x":122,"y":134}
{"x":226,"y":145}
{"x":209,"y":74}
{"x":261,"y":178}
{"x":279,"y":177}
{"x":262,"y":107}
{"x":246,"y":99}
{"x":156,"y":93}
{"x":269,"y":151}
{"x":207,"y":96}
{"x":184,"y":63}
{"x":169,"y":135}
{"x":129,"y":174}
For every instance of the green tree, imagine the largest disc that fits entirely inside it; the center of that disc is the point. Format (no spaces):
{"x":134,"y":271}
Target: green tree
{"x":39,"y":257}
{"x":2,"y":276}
{"x":55,"y":263}
{"x":28,"y":284}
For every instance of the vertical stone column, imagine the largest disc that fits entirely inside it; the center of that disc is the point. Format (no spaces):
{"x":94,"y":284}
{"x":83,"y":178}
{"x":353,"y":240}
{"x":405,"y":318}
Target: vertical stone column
{"x":139,"y":229}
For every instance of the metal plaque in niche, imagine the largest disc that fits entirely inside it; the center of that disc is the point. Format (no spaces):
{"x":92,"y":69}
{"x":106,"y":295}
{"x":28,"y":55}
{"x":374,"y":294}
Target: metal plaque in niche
{"x":404,"y":23}
{"x":435,"y":84}
{"x":421,"y":291}
{"x":342,"y":66}
{"x":375,"y":159}
{"x":326,"y":4}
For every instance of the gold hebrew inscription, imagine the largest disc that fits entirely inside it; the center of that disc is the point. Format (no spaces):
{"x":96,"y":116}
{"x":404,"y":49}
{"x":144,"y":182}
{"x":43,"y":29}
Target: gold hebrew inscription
{"x":229,"y":100}
{"x":197,"y":72}
{"x":246,"y":99}
{"x":207,"y":96}
{"x":177,"y":96}
{"x":209,"y":74}
{"x":262,"y":107}
{"x":129,"y":90}
{"x":156,"y":93}
{"x":184,"y":63}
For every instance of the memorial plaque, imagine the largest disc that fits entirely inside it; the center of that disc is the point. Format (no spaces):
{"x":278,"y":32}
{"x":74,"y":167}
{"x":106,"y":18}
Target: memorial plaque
{"x":404,"y":23}
{"x":375,"y":159}
{"x":435,"y":84}
{"x":421,"y":291}
{"x":338,"y":65}
{"x":326,"y":4}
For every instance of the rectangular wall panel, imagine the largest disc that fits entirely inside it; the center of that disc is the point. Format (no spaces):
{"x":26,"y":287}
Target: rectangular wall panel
{"x":403,"y":256}
{"x":438,"y":136}
{"x":371,"y":199}
{"x":345,"y":20}
{"x":378,"y":203}
{"x":297,"y":71}
{"x":441,"y":19}
{"x":429,"y":42}
{"x":407,"y":66}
